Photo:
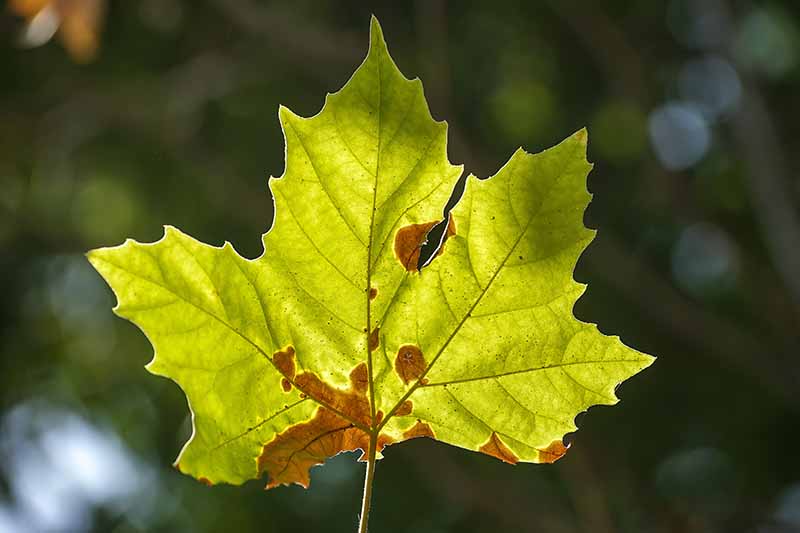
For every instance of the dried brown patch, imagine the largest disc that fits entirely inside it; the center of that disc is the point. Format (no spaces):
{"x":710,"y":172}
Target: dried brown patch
{"x":420,"y":429}
{"x":405,"y":408}
{"x":409,"y":239}
{"x":497,"y":448}
{"x":359,"y":378}
{"x":284,"y":362}
{"x":205,"y":481}
{"x":409,"y":363}
{"x":554,"y":451}
{"x":374,"y":339}
{"x":373,"y":293}
{"x":289,"y":456}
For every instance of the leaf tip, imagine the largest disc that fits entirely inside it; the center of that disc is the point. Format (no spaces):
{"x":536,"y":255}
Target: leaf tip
{"x":91,"y":255}
{"x":285,"y":114}
{"x":169,"y":229}
{"x":375,"y":30}
{"x":377,"y":42}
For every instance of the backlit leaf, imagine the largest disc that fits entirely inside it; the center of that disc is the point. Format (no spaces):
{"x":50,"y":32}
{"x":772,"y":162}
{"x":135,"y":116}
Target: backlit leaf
{"x":334,"y":334}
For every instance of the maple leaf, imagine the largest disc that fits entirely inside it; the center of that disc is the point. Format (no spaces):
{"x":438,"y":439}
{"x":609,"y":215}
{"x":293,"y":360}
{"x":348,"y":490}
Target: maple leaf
{"x":333,"y":339}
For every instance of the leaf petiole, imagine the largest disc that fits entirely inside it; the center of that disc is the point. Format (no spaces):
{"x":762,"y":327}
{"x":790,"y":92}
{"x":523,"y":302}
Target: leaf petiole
{"x":368,"y":480}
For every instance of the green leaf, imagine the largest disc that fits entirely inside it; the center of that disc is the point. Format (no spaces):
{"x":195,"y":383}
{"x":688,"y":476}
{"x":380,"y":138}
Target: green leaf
{"x":334,"y":336}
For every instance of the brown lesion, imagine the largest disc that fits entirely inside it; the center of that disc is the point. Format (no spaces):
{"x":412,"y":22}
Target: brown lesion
{"x":405,"y":408}
{"x":289,"y":456}
{"x":359,"y":378}
{"x":410,"y":363}
{"x":498,"y":449}
{"x":419,"y":429}
{"x":373,"y":293}
{"x":554,"y":451}
{"x":409,"y":239}
{"x":284,"y":361}
{"x":374,"y":339}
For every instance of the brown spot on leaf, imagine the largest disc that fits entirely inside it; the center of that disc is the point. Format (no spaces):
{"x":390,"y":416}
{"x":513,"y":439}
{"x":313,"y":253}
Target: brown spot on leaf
{"x":497,"y":448}
{"x":284,"y":362}
{"x":286,"y":385}
{"x":409,"y":239}
{"x":205,"y":481}
{"x":359,"y":378}
{"x":554,"y":451}
{"x":289,"y":456}
{"x":405,"y":408}
{"x":373,"y":293}
{"x":420,"y":429}
{"x":409,"y":363}
{"x":374,"y":339}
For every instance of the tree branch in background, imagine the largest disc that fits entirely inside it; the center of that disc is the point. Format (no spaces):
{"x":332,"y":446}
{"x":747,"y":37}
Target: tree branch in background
{"x":608,"y":46}
{"x":759,"y":146}
{"x":293,"y":35}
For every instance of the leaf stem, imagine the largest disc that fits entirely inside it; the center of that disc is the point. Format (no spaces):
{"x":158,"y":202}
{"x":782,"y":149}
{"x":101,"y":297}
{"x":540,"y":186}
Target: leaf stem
{"x":370,"y":475}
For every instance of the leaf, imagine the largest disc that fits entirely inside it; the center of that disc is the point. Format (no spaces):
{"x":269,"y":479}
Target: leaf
{"x":334,"y":336}
{"x":78,"y":23}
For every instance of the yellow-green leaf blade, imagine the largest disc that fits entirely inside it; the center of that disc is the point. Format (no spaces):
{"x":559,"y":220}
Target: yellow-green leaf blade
{"x":333,"y":334}
{"x":201,"y":309}
{"x":506,"y":356}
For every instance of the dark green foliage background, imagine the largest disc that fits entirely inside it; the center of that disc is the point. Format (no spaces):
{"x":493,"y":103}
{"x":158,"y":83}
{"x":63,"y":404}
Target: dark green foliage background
{"x":176,"y":123}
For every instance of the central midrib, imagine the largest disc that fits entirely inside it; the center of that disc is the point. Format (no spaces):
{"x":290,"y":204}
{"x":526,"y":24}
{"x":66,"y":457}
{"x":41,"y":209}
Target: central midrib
{"x":367,"y":290}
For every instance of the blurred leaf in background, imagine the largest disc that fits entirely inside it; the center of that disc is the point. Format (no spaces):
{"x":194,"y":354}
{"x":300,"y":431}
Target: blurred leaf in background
{"x":77,"y":22}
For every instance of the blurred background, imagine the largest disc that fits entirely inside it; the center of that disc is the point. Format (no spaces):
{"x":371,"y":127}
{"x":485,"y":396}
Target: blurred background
{"x":118,"y":117}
